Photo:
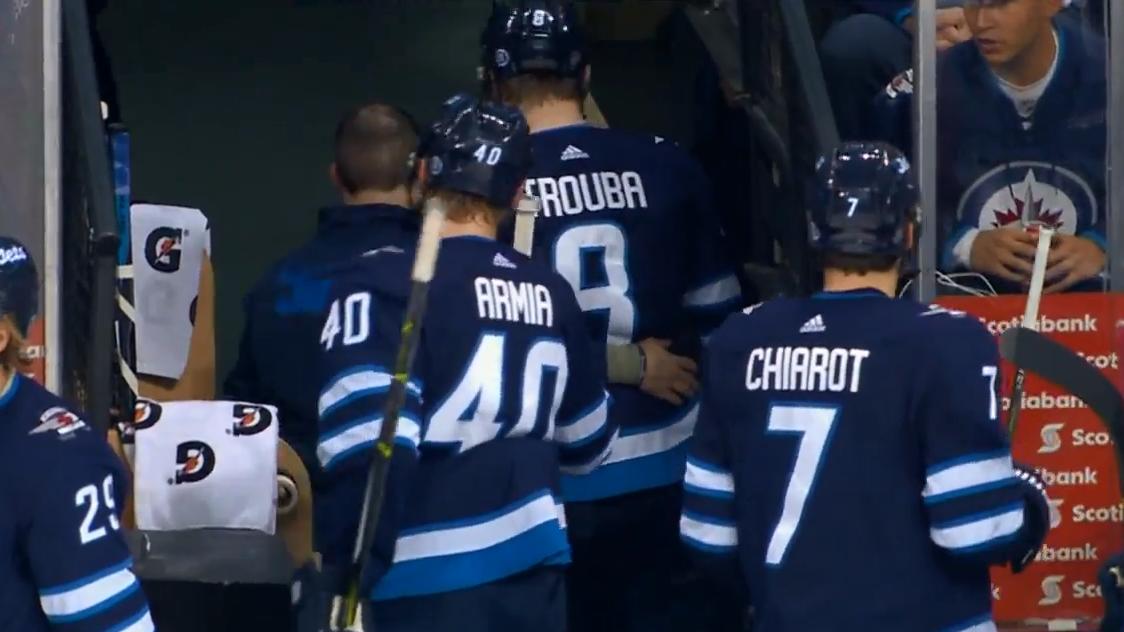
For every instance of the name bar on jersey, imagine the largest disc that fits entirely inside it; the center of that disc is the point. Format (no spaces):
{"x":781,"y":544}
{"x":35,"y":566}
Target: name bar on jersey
{"x":804,"y":369}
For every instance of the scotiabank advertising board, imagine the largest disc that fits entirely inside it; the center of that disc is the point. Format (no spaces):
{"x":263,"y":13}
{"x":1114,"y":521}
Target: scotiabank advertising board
{"x":1069,"y":445}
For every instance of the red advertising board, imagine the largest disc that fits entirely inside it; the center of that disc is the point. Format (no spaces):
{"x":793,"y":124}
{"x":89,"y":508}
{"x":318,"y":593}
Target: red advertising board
{"x":1072,"y":450}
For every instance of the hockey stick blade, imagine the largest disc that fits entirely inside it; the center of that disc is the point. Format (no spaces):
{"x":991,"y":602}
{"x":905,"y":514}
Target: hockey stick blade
{"x":345,"y":612}
{"x":1034,"y":352}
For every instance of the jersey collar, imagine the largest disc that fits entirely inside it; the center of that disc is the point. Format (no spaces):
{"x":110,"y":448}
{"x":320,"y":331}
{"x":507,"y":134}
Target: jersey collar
{"x":366,"y":214}
{"x":559,"y":128}
{"x":865,"y":292}
{"x":7,"y":396}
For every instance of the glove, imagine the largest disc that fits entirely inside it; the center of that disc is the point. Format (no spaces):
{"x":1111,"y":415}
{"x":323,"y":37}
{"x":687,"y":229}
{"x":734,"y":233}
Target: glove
{"x":1036,"y":522}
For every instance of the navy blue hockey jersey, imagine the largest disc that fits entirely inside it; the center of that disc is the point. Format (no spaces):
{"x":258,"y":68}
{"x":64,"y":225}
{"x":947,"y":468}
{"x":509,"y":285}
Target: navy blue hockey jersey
{"x":996,"y":168}
{"x":64,"y":565}
{"x":284,"y":312}
{"x":628,"y":221}
{"x":849,"y":452}
{"x":506,"y":389}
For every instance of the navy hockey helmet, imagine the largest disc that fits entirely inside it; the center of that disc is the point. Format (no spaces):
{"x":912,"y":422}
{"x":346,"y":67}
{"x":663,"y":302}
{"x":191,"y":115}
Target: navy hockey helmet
{"x":19,"y":284}
{"x":862,"y":197}
{"x":534,"y":36}
{"x":478,"y":147}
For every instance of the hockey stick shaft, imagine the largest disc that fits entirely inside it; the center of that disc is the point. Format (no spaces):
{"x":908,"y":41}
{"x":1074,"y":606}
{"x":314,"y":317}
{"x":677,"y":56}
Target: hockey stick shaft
{"x":526,"y":213}
{"x":346,"y":608}
{"x":1030,"y":319}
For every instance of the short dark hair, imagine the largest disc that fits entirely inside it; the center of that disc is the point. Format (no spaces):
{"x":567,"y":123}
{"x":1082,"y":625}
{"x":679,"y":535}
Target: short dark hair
{"x":373,"y":148}
{"x":533,"y":90}
{"x":859,"y":264}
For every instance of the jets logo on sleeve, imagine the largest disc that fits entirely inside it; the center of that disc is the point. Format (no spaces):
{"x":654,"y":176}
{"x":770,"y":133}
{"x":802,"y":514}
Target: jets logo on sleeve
{"x":58,"y":420}
{"x":195,"y":461}
{"x":250,"y":419}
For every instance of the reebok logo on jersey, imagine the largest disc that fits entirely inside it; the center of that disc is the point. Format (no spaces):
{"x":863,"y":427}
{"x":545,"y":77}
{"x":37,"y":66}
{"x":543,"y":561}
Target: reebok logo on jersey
{"x":501,"y":261}
{"x":58,"y":420}
{"x":573,"y":153}
{"x":814,"y":325}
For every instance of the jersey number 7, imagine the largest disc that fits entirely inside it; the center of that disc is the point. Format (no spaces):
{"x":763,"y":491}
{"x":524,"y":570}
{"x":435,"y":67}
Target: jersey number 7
{"x":814,"y":425}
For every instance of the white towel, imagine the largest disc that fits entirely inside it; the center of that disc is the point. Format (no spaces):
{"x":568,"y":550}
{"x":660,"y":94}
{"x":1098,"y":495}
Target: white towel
{"x":168,"y":244}
{"x":206,"y":464}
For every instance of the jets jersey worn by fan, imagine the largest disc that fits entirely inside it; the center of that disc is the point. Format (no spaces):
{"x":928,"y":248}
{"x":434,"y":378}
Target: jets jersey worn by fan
{"x":1002,"y":163}
{"x":628,"y":221}
{"x":506,"y":389}
{"x":849,"y":453}
{"x":64,"y":565}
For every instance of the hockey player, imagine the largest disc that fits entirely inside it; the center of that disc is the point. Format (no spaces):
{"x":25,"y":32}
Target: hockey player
{"x":506,"y":390}
{"x":371,"y":170}
{"x":1021,"y":113}
{"x":849,"y":457}
{"x":627,"y":220}
{"x":63,"y":563}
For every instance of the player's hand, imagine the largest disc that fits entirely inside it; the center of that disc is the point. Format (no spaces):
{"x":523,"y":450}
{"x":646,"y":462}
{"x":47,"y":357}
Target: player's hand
{"x":1007,"y":253}
{"x":667,"y":376}
{"x":952,"y":27}
{"x":1072,"y":260}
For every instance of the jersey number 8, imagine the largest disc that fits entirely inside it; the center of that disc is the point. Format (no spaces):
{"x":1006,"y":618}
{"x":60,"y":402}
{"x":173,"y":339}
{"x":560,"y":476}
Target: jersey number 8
{"x":574,"y":252}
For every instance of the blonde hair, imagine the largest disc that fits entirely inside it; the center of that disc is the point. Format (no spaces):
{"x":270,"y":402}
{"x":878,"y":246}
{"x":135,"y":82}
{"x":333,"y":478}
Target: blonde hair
{"x":463,"y":206}
{"x":11,"y":357}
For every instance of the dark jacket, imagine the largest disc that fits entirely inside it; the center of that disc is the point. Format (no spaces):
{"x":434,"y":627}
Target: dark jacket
{"x":285,"y":312}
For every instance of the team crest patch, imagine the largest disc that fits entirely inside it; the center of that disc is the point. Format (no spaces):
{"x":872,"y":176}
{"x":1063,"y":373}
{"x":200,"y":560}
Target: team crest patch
{"x":58,"y":420}
{"x":1030,"y":193}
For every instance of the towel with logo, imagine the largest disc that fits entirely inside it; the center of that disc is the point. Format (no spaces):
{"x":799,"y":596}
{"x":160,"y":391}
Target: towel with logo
{"x":205,"y":465}
{"x":169,"y":244}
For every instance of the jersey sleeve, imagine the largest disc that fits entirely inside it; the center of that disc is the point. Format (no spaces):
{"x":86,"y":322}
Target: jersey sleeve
{"x":976,"y":505}
{"x":707,"y":523}
{"x":583,"y":432}
{"x":75,"y":551}
{"x":358,"y":344}
{"x":713,"y":287}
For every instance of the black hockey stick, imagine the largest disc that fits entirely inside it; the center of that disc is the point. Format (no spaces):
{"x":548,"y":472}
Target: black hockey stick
{"x":345,"y":607}
{"x":1034,"y":352}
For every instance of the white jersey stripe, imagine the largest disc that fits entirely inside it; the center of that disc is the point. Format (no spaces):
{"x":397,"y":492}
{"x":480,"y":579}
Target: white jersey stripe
{"x":79,"y":601}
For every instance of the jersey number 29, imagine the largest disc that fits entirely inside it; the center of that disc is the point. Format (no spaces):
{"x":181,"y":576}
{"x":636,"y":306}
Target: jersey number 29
{"x":88,"y":497}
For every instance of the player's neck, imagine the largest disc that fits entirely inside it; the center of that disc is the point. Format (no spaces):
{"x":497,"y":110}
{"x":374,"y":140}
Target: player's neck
{"x":555,"y":113}
{"x":472,"y":226}
{"x":397,"y":196}
{"x":840,"y":281}
{"x":1034,"y":63}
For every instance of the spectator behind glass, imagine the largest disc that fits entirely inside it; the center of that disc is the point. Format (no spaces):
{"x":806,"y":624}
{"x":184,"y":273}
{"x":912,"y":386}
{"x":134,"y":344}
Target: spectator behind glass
{"x":1021,"y":114}
{"x":862,"y":52}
